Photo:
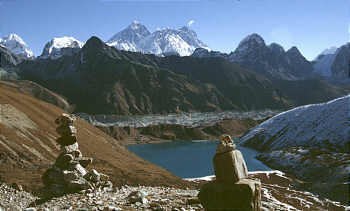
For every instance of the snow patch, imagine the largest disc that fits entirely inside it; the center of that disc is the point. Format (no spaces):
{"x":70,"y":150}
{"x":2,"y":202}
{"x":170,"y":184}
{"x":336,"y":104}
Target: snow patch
{"x":308,"y":125}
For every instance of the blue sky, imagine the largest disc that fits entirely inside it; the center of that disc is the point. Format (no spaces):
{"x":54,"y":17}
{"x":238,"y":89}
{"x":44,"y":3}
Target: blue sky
{"x":311,"y":25}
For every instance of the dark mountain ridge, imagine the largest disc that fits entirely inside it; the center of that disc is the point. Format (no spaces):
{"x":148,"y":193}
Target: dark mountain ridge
{"x":101,"y":79}
{"x":270,"y":60}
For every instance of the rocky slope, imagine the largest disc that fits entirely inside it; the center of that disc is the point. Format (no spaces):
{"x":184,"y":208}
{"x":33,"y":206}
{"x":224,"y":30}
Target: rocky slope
{"x":311,"y":142}
{"x":136,"y":37}
{"x":324,"y":125}
{"x":8,"y":61}
{"x":35,"y":90}
{"x":28,"y":148}
{"x":17,"y":46}
{"x":278,"y":193}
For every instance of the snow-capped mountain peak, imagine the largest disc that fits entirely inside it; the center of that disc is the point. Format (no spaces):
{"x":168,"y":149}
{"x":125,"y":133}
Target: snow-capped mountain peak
{"x":16,"y":45}
{"x":65,"y":42}
{"x":128,"y":38}
{"x":60,"y":46}
{"x":165,"y":41}
{"x":135,"y":25}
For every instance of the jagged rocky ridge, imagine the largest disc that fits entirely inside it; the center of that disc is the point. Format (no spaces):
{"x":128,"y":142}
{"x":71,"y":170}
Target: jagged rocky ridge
{"x":122,"y":82}
{"x":271,"y":60}
{"x":136,"y":37}
{"x":311,"y":142}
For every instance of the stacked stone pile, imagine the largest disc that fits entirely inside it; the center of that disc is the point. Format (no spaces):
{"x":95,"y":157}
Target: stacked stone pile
{"x":69,"y":173}
{"x":231,"y":190}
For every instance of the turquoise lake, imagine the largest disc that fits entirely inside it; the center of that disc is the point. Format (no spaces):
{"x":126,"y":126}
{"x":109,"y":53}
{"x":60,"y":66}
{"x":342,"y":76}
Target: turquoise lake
{"x":190,"y":159}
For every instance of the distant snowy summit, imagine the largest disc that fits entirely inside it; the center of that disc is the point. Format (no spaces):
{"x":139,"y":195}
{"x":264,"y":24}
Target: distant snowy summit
{"x":333,"y":62}
{"x":136,"y":37}
{"x":129,"y":38}
{"x":61,"y":46}
{"x":17,"y":46}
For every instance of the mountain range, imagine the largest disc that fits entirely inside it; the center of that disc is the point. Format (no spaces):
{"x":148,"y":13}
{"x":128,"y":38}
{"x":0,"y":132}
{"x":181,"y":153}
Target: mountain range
{"x":270,"y":60}
{"x":252,"y":52}
{"x":99,"y":79}
{"x":136,"y":37}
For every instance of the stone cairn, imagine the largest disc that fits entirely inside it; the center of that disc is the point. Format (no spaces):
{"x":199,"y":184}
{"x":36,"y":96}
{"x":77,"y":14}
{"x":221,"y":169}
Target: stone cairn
{"x":231,"y":190}
{"x":68,"y":174}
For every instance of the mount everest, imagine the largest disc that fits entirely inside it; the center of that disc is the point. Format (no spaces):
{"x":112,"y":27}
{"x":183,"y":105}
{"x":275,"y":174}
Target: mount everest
{"x":136,"y":37}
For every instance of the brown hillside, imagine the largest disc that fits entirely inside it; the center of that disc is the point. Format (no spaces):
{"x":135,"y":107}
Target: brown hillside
{"x":28,"y":148}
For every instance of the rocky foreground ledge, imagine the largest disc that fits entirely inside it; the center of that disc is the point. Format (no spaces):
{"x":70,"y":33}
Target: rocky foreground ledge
{"x":278,"y":193}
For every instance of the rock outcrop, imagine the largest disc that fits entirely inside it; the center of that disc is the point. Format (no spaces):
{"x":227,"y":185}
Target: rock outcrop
{"x":69,"y":173}
{"x":231,"y":190}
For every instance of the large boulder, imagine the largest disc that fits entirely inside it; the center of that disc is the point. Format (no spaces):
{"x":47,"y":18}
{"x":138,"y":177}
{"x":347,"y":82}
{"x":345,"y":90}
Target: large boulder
{"x":230,"y":167}
{"x":245,"y":195}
